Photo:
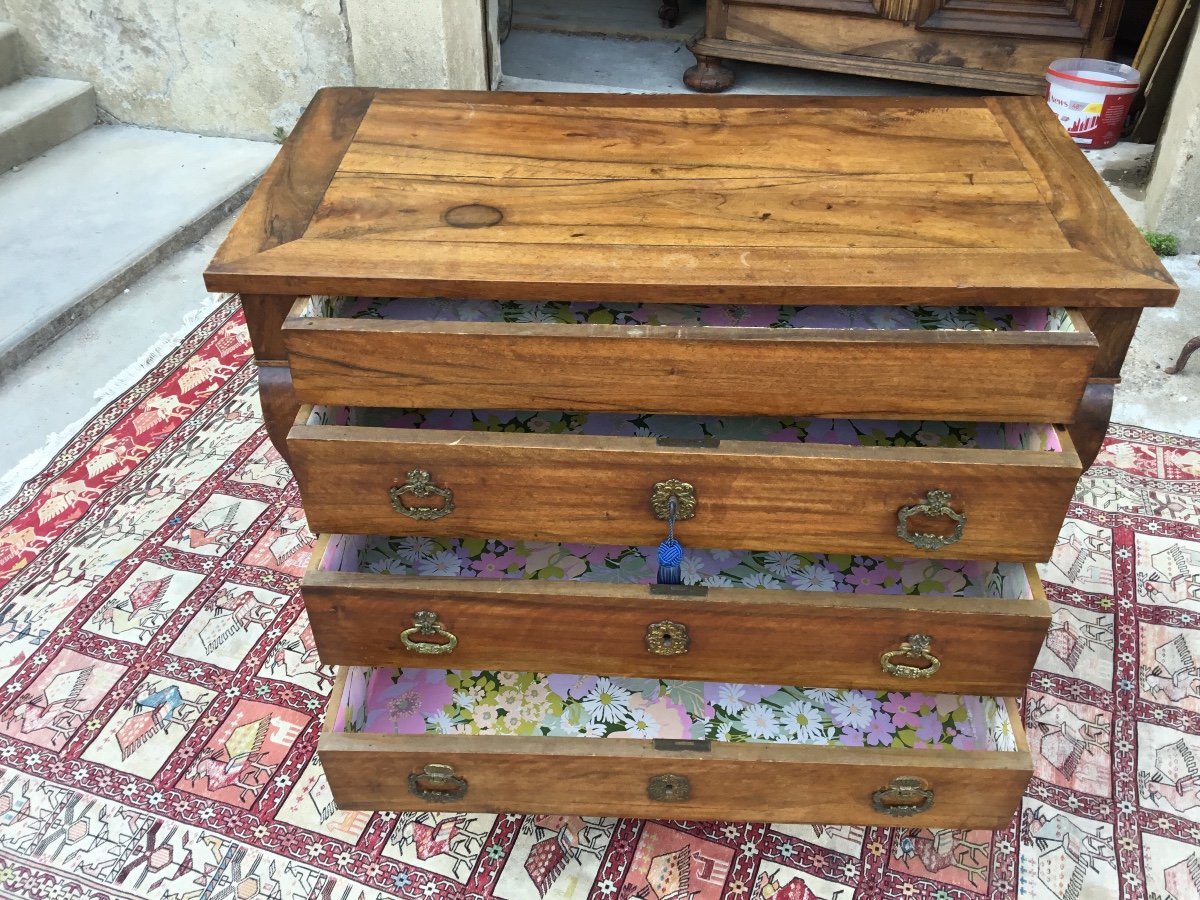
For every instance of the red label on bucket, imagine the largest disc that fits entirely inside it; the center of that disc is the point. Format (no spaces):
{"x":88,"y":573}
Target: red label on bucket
{"x":1092,"y":120}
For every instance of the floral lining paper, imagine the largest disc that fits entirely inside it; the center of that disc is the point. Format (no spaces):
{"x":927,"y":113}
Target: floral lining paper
{"x":715,"y":568}
{"x":450,"y":701}
{"x":884,"y":318}
{"x":846,"y":432}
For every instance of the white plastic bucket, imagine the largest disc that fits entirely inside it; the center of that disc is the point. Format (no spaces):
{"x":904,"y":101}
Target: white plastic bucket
{"x":1091,"y":98}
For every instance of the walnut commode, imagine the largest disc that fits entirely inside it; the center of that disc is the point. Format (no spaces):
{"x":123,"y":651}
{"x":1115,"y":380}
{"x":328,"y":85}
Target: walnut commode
{"x":857,"y":350}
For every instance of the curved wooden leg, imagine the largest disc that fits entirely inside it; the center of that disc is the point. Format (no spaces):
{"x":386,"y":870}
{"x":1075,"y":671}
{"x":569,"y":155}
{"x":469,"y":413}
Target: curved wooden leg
{"x":1091,"y":421}
{"x":279,"y":404}
{"x":1188,"y":349}
{"x":708,"y":75}
{"x":668,"y":13}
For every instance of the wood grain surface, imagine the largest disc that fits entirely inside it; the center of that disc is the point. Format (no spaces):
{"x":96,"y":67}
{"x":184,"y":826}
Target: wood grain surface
{"x":751,"y":495}
{"x":1091,"y":421}
{"x":1088,"y":214}
{"x":888,"y":211}
{"x":279,"y":404}
{"x":795,"y":200}
{"x":960,"y":375}
{"x":288,"y":194}
{"x":739,"y":782}
{"x":1113,"y":329}
{"x":265,"y":314}
{"x":819,"y":639}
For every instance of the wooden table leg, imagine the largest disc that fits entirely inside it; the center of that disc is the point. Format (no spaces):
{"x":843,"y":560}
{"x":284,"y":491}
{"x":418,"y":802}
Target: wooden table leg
{"x":708,"y":75}
{"x":279,"y":404}
{"x":1091,"y":421}
{"x":1188,"y":349}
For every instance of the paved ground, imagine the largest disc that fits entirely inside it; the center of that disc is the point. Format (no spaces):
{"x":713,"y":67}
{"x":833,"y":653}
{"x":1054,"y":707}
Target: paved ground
{"x":85,"y":218}
{"x":54,"y":392}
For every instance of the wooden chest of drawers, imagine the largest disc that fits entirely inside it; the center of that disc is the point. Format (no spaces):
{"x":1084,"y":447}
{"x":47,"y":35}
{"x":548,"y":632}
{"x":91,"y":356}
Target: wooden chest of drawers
{"x":862,"y":348}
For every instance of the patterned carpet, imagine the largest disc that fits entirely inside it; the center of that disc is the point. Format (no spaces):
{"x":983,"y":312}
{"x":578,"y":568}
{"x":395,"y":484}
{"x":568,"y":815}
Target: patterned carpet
{"x":149,"y":613}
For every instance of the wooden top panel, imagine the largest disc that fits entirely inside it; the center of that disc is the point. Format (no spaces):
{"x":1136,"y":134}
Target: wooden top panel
{"x":730,"y":199}
{"x":633,"y":141}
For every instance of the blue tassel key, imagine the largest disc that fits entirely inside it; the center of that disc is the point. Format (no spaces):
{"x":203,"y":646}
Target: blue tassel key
{"x":670,"y":552}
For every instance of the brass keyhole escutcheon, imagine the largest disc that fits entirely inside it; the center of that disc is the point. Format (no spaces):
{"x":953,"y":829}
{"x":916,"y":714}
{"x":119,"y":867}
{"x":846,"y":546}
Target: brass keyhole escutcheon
{"x":667,"y":638}
{"x":685,"y":499}
{"x":669,"y":788}
{"x":420,"y":485}
{"x":437,"y":783}
{"x":935,"y":505}
{"x":905,"y":795}
{"x":916,"y":647}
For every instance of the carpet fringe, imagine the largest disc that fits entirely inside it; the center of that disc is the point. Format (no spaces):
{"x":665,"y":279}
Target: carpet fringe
{"x":36,"y":460}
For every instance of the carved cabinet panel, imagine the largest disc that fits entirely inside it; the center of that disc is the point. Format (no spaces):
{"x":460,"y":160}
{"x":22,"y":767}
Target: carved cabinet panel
{"x":996,"y":45}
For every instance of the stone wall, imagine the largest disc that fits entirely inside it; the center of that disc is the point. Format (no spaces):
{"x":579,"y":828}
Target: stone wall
{"x":241,"y":68}
{"x":1173,"y":194}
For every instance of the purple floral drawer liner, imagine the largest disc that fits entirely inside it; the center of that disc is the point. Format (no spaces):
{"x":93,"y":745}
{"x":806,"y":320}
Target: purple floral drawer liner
{"x":845,"y":432}
{"x":772,"y":570}
{"x":875,"y":318}
{"x":449,"y":701}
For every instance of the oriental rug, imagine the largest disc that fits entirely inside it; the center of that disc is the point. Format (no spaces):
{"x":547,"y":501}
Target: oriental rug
{"x":160,"y":698}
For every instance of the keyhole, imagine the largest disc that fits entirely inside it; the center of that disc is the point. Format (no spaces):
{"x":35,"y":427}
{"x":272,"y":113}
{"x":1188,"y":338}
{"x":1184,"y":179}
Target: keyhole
{"x":666,"y":638}
{"x":669,"y":789}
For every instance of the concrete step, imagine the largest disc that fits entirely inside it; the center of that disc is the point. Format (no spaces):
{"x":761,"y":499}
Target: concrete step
{"x":92,"y":215}
{"x":38,"y":113}
{"x":10,"y":54}
{"x":515,"y":83}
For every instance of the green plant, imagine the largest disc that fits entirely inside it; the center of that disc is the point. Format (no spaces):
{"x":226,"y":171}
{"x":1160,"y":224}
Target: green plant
{"x":1162,"y":243}
{"x":279,"y":134}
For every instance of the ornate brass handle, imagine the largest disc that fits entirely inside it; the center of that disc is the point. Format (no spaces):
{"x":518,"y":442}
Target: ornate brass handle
{"x":904,"y":796}
{"x":937,"y":503}
{"x":917,"y":646}
{"x":420,"y":485}
{"x":684,"y":494}
{"x":667,"y":638}
{"x":437,"y":783}
{"x":426,"y":624}
{"x":669,"y":788}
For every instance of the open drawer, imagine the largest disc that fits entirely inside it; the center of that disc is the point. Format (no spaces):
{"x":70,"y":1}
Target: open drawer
{"x":984,"y":490}
{"x":487,"y":741}
{"x":965,"y":363}
{"x":837,"y":621}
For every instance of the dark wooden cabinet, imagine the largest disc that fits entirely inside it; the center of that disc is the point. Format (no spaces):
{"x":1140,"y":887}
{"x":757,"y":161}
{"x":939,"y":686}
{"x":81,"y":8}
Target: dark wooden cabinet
{"x":995,"y":45}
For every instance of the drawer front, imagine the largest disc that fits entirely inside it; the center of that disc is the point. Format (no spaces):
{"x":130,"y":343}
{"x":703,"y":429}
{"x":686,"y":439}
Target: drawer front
{"x":984,"y":641}
{"x":822,"y":498}
{"x":996,"y":375}
{"x":605,"y":776}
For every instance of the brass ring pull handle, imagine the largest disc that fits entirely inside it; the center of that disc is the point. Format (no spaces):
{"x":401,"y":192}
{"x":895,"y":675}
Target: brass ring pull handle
{"x":426,"y":625}
{"x":667,"y":638}
{"x":437,"y":783}
{"x":917,"y":646}
{"x":937,"y":503}
{"x":904,"y":796}
{"x":669,"y":788}
{"x":420,"y":485}
{"x":685,"y":499}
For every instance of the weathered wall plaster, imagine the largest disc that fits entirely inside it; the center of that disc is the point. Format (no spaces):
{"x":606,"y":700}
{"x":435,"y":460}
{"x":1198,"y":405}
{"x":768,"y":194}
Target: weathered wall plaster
{"x":242,"y":67}
{"x":418,"y":43}
{"x":1173,"y":194}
